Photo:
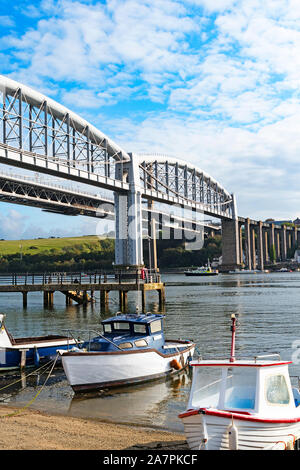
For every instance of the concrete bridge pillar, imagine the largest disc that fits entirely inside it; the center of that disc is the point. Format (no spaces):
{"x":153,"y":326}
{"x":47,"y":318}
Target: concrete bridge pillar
{"x":295,"y":237}
{"x":128,"y":218}
{"x":278,"y":246}
{"x":260,"y":248}
{"x":248,"y":257}
{"x":272,"y":245}
{"x":231,"y":241}
{"x":283,"y":243}
{"x":266,"y":252}
{"x":253,"y":246}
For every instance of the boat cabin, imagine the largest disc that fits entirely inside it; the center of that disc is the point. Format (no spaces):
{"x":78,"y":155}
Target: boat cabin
{"x":250,"y":387}
{"x":130,"y":331}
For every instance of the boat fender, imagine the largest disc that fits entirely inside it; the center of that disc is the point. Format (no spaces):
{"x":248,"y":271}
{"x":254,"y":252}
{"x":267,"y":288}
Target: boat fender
{"x":175,"y":364}
{"x":291,"y":442}
{"x":233,"y":436}
{"x":182,"y":360}
{"x":36,"y":357}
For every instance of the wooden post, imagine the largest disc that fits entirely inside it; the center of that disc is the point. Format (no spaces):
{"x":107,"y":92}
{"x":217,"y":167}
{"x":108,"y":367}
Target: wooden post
{"x":162,"y":296}
{"x":23,"y":358}
{"x":50,"y":297}
{"x":24,"y":299}
{"x":143,"y":300}
{"x":104,"y":298}
{"x":46,"y":299}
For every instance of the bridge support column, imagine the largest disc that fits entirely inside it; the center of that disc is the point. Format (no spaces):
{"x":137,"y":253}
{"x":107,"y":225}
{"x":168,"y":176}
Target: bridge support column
{"x":231,"y":241}
{"x":266,"y":254}
{"x":248,"y":257}
{"x":283,"y":243}
{"x":128,"y":222}
{"x":295,"y":237}
{"x":272,"y":245}
{"x":260,"y":247}
{"x":253,"y":246}
{"x":277,"y":245}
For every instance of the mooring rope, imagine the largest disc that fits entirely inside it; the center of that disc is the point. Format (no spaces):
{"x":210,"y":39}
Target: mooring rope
{"x":36,"y":395}
{"x":45,"y":366}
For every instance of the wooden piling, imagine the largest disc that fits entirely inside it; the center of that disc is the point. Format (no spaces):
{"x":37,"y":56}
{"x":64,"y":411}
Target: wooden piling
{"x":24,"y":299}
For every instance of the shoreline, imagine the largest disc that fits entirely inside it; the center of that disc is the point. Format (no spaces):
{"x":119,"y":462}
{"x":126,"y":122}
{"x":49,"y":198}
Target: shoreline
{"x":31,"y":429}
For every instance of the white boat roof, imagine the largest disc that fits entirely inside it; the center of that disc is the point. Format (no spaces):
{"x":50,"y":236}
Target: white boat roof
{"x":239,"y":363}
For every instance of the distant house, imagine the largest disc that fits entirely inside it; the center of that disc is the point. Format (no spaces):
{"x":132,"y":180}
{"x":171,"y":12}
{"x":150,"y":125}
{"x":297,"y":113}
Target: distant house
{"x":297,"y":221}
{"x":297,"y":256}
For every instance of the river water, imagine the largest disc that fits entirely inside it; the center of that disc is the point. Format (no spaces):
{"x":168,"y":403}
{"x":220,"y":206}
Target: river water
{"x":199,"y":308}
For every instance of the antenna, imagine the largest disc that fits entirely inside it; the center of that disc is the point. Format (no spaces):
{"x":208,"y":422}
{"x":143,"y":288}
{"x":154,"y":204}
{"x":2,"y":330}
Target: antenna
{"x":233,"y":328}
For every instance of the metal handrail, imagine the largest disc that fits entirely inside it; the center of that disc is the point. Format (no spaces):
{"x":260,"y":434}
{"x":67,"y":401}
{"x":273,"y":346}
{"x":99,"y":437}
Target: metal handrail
{"x":98,"y":333}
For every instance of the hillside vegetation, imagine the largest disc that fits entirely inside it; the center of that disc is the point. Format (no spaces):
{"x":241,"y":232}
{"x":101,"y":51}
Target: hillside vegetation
{"x":90,"y":253}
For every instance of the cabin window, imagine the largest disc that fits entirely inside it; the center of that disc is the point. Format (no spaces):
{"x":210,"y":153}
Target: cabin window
{"x":121,"y":326}
{"x":125,"y":345}
{"x":107,"y":328}
{"x":240,"y":388}
{"x":141,"y":343}
{"x":206,"y":387}
{"x":155,"y":326}
{"x":139,"y":328}
{"x":276,"y":390}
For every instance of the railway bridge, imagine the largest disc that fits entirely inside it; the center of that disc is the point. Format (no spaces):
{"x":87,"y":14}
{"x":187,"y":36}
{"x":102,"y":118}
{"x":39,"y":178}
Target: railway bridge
{"x":39,"y":135}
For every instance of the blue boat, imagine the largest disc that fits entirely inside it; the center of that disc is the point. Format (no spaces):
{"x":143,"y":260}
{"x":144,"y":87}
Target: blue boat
{"x":31,"y":351}
{"x":132,"y":349}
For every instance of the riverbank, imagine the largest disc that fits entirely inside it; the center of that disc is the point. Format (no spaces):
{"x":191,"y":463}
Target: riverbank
{"x":32,"y":430}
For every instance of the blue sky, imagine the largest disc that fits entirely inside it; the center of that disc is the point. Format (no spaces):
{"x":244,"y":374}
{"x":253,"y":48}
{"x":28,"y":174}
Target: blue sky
{"x":215,"y":82}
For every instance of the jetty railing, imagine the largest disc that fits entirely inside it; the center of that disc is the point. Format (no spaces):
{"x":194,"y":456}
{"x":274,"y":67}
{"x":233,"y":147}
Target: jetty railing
{"x":81,"y":278}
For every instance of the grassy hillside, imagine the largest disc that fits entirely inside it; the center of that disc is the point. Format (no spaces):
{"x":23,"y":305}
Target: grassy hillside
{"x":90,"y":253}
{"x":30,"y":247}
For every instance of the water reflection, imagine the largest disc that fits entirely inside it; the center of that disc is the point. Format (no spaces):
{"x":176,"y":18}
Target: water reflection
{"x":128,"y":404}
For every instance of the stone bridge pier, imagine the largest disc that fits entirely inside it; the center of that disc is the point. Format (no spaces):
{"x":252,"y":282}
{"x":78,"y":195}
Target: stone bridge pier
{"x":252,"y":244}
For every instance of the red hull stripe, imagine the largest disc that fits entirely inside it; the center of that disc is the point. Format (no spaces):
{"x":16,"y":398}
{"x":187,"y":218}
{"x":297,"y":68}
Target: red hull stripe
{"x":242,"y":417}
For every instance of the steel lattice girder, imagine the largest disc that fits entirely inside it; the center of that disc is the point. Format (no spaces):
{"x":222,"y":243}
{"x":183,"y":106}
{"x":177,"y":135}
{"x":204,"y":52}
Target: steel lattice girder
{"x":34,"y":124}
{"x":185,"y":183}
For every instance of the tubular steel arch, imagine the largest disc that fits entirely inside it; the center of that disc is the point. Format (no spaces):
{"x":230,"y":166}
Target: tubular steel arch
{"x":37,"y":131}
{"x":169,"y":179}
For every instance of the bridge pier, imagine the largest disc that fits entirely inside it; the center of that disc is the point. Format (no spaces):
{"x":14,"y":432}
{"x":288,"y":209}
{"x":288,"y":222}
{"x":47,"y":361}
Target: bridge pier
{"x":231,"y":241}
{"x":260,"y":248}
{"x":230,"y":245}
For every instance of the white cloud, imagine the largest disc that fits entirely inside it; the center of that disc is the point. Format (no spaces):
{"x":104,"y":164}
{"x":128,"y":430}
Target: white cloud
{"x":223,"y":73}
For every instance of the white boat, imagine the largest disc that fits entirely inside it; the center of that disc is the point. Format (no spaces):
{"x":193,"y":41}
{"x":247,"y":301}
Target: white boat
{"x":202,"y":271}
{"x":241,"y":404}
{"x":131,"y":350}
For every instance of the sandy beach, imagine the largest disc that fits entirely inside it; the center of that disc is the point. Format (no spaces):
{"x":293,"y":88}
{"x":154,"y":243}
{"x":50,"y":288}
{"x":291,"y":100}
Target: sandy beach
{"x":33,"y":430}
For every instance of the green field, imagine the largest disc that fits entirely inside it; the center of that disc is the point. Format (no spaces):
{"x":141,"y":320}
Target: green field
{"x":35,"y":246}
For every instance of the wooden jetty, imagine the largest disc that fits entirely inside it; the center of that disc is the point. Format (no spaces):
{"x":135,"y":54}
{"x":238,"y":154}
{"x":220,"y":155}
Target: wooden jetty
{"x":80,"y":287}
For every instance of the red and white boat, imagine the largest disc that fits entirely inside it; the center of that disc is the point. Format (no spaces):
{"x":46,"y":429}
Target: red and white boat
{"x":242,"y":404}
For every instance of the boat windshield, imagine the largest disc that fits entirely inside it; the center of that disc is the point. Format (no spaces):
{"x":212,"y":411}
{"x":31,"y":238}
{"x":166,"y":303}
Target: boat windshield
{"x":231,"y":388}
{"x":240,"y":388}
{"x":206,"y":387}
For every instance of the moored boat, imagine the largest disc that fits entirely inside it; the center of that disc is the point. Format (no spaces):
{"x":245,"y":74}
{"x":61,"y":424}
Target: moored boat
{"x":131,"y":350}
{"x":244,"y":404}
{"x":29,"y":351}
{"x":202,"y":271}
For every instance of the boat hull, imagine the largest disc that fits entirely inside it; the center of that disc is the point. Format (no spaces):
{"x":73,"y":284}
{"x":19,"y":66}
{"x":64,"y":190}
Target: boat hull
{"x":88,"y":371}
{"x":252,"y":435}
{"x":11,"y":358}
